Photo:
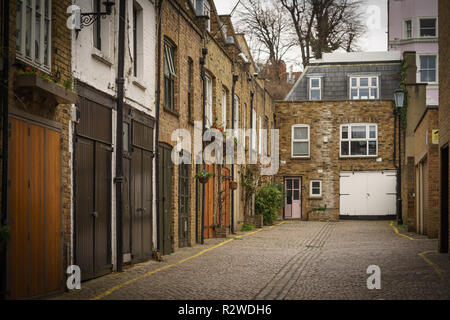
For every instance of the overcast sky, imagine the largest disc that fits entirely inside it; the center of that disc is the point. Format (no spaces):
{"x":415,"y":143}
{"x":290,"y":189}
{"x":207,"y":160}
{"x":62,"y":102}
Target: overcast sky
{"x":374,"y":40}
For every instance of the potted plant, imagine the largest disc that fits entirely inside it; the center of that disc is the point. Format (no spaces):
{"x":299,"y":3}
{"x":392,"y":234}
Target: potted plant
{"x":203,"y":176}
{"x":233,"y":185}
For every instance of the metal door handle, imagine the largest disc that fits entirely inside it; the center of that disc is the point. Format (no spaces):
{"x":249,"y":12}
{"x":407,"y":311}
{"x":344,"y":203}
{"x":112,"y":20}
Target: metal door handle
{"x":95,"y":214}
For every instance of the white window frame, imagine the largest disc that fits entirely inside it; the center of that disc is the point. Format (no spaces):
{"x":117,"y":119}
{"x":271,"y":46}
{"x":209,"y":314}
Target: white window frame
{"x":405,"y":29}
{"x":139,"y":63}
{"x":253,"y":132}
{"x":311,"y":88}
{"x":419,"y":67}
{"x":418,"y":27}
{"x":300,"y":140}
{"x":21,"y":53}
{"x":236,"y":115}
{"x":260,"y":135}
{"x":350,"y":139}
{"x":224,"y":109}
{"x":209,"y":101}
{"x":311,"y":188}
{"x":369,"y":87}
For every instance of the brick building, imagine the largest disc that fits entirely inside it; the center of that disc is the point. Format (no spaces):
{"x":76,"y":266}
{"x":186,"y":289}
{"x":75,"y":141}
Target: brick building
{"x":426,"y":160}
{"x":38,"y":192}
{"x":337,"y":160}
{"x":444,"y":123}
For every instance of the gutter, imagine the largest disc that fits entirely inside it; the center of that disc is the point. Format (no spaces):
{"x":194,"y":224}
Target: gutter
{"x":5,"y":147}
{"x":235,"y":79}
{"x":203,"y":75}
{"x":158,"y":106}
{"x":119,"y":133}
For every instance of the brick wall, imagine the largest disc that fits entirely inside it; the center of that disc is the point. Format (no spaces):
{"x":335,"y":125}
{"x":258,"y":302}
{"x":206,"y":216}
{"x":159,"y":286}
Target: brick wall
{"x":187,"y":38}
{"x":324,"y":119}
{"x":427,"y":153}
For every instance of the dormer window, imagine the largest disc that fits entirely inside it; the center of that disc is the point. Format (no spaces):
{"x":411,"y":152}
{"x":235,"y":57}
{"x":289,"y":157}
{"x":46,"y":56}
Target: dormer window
{"x":364,"y":87}
{"x":315,"y":88}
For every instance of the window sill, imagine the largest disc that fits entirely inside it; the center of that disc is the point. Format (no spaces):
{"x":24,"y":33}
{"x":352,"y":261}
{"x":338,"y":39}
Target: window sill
{"x":22,"y":60}
{"x":315,"y":198}
{"x":139,"y":83}
{"x":300,"y":158}
{"x":172,"y":112}
{"x":99,"y":56}
{"x":358,"y":157}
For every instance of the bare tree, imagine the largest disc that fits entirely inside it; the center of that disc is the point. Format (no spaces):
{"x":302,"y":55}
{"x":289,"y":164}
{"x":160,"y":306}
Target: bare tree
{"x":325,"y":25}
{"x":268,"y":28}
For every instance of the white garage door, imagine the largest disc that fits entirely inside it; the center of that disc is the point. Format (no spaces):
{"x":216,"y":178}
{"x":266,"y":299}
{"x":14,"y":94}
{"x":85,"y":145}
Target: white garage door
{"x":367,"y":193}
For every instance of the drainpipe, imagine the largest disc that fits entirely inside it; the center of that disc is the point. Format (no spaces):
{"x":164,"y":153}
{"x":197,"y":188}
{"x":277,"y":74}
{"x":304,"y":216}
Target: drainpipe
{"x":4,"y":89}
{"x":233,"y":88}
{"x":203,"y":75}
{"x":158,"y":105}
{"x":119,"y":155}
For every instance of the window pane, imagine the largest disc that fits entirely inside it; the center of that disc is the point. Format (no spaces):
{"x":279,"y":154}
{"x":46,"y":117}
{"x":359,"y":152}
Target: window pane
{"x":316,"y":184}
{"x":345,"y":132}
{"x":374,"y":82}
{"x":373,"y":93}
{"x":372,"y":148}
{"x":301,"y":133}
{"x":427,"y":27}
{"x":315,"y":94}
{"x":344,"y":148}
{"x":28,"y":30}
{"x":288,"y":184}
{"x":37,"y":31}
{"x":46,"y":41}
{"x":316,"y":191}
{"x":354,"y":93}
{"x":359,"y":132}
{"x":19,"y":26}
{"x":296,"y":184}
{"x":315,"y":83}
{"x":289,"y":193}
{"x":364,"y":93}
{"x":372,"y":132}
{"x":354,"y":83}
{"x":359,"y":148}
{"x":428,"y":76}
{"x":289,"y":200}
{"x":296,"y":195}
{"x":364,"y":82}
{"x":300,"y":148}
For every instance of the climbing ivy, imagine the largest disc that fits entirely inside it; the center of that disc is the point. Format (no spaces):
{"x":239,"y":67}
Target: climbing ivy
{"x":404,"y":110}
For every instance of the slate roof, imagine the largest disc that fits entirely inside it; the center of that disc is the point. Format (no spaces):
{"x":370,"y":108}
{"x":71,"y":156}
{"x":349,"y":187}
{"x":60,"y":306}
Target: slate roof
{"x":335,"y":78}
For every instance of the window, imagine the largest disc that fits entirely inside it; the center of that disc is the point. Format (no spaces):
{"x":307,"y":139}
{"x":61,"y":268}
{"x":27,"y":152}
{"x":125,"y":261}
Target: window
{"x":253,"y":127}
{"x":260,"y":135}
{"x":236,"y":114}
{"x":138,"y":57}
{"x":315,"y":88}
{"x":189,"y":90}
{"x":169,"y":76}
{"x":427,"y":27}
{"x":428,"y":68}
{"x":100,"y":29}
{"x":207,"y":12}
{"x":209,"y":101}
{"x":408,"y":29}
{"x":300,"y":140}
{"x":315,"y":188}
{"x":33,"y":32}
{"x":359,"y":140}
{"x":224,"y":109}
{"x":364,"y":88}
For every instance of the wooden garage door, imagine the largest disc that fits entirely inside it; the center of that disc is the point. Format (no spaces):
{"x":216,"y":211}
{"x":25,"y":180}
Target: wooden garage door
{"x":368,"y":193}
{"x":35,"y":210}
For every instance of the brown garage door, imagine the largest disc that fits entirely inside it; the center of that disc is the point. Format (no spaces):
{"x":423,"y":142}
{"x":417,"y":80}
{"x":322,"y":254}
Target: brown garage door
{"x":35,"y":210}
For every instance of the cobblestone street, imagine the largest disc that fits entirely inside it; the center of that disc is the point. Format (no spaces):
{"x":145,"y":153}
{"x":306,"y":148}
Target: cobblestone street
{"x":294,"y":260}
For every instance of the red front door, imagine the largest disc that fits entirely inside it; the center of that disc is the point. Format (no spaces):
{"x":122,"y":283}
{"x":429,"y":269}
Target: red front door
{"x":293,"y":202}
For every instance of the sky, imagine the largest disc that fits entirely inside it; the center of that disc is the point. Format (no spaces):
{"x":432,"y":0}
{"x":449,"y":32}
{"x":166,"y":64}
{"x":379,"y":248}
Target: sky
{"x":375,"y":38}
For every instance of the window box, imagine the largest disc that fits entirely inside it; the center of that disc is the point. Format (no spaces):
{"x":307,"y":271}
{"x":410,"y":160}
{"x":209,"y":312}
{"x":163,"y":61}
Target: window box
{"x":44,"y":91}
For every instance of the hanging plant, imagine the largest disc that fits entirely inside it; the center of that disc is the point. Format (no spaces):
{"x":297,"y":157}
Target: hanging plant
{"x":203,"y":176}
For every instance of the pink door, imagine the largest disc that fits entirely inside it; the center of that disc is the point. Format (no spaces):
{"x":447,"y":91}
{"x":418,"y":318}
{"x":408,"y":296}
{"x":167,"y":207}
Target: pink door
{"x":293,"y":202}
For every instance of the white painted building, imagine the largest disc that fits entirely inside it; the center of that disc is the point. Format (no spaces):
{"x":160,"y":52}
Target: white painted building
{"x":95,"y":65}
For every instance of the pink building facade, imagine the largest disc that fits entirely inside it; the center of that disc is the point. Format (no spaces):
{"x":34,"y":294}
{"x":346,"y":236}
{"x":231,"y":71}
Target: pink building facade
{"x":413,"y":26}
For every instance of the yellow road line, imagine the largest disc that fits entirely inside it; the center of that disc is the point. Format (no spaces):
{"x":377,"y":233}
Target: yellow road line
{"x":436,"y":268}
{"x":406,"y":236}
{"x":117,"y":287}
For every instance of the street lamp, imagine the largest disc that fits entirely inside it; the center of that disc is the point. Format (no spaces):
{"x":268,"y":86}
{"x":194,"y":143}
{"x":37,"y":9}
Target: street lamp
{"x":399,"y":96}
{"x":87,"y":19}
